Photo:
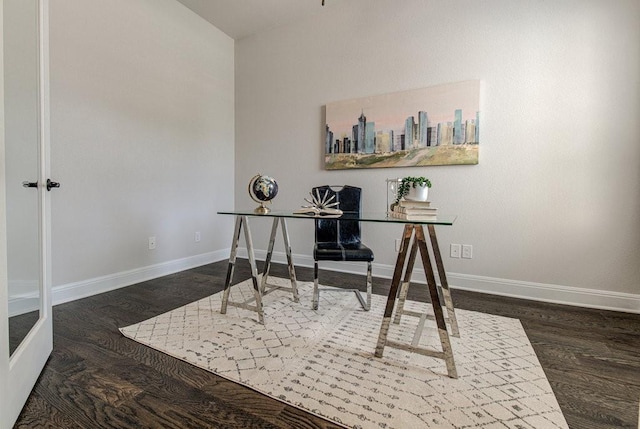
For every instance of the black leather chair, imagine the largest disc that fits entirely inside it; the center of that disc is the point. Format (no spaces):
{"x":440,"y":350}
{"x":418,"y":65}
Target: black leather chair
{"x":339,"y":239}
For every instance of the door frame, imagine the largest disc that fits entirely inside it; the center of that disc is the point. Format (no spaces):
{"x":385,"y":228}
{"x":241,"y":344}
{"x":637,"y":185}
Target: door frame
{"x":19,"y":373}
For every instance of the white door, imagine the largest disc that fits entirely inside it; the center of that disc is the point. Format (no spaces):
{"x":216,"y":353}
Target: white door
{"x":26,"y":335}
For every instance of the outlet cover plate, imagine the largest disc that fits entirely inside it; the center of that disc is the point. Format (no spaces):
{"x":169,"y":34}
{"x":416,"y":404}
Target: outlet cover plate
{"x":454,"y":251}
{"x":467,"y":251}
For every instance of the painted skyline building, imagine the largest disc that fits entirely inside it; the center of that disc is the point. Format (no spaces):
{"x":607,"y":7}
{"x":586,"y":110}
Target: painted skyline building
{"x":362,"y":122}
{"x":328,"y":140}
{"x":458,"y":134}
{"x":423,"y":133}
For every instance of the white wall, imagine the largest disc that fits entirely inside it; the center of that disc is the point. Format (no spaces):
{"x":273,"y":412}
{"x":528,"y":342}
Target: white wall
{"x":553,"y":208}
{"x":142,"y":130}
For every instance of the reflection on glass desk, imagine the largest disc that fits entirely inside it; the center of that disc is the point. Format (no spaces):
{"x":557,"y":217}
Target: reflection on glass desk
{"x":413,"y":243}
{"x":363,"y":217}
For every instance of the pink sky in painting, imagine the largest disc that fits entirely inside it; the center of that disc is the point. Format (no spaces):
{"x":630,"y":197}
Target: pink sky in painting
{"x":389,"y":111}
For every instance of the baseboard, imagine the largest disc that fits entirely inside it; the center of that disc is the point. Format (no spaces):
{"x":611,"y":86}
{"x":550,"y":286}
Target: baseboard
{"x":556,"y":294}
{"x":82,"y":289}
{"x":23,"y":297}
{"x":589,"y":298}
{"x":23,"y":304}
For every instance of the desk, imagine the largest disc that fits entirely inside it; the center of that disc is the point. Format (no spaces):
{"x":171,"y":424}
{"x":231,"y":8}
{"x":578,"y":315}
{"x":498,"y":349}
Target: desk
{"x":413,"y":239}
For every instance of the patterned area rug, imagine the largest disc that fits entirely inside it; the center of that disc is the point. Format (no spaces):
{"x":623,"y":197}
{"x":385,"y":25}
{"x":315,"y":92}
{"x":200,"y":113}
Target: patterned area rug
{"x":322,"y":361}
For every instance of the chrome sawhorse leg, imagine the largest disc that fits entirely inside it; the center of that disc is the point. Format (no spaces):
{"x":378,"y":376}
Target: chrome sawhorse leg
{"x":417,"y":233}
{"x":259,"y":288}
{"x":267,"y":263}
{"x":444,"y":286}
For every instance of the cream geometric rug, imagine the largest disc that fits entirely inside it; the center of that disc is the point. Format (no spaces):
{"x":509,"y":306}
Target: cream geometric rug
{"x":322,"y":361}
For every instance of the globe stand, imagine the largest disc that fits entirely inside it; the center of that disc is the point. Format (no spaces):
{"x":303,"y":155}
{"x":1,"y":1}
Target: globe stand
{"x":262,"y":209}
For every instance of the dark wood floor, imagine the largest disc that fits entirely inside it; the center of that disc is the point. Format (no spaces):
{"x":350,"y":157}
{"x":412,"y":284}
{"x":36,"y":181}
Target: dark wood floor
{"x":97,"y":378}
{"x":19,"y":327}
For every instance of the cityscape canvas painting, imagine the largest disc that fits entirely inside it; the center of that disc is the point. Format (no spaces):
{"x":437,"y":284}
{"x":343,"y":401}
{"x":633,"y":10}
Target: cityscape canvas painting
{"x":439,"y":125}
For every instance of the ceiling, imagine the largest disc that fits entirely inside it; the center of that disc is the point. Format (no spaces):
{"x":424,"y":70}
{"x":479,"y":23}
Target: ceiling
{"x":242,"y":18}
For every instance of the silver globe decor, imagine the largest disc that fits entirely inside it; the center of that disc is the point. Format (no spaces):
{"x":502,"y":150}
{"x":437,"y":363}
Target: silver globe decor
{"x":262,"y":189}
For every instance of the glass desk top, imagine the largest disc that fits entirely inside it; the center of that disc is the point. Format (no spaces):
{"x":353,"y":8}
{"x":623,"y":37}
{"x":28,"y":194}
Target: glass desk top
{"x":364,"y":217}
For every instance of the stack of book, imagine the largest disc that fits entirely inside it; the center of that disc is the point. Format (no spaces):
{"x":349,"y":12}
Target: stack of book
{"x":414,"y":210}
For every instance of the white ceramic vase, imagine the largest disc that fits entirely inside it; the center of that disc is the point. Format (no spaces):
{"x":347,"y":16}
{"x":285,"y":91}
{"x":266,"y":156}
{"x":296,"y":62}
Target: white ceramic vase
{"x":419,"y":193}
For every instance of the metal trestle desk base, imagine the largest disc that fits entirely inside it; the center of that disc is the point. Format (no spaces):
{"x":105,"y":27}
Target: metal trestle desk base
{"x":416,"y":232}
{"x":260,"y":287}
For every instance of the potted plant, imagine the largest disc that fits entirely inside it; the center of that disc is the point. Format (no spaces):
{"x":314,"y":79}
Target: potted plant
{"x":413,"y":188}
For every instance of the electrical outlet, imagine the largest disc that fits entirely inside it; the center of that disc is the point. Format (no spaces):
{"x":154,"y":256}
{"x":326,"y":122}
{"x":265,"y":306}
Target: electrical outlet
{"x":152,"y":243}
{"x":454,"y":251}
{"x":467,"y":251}
{"x":197,"y":236}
